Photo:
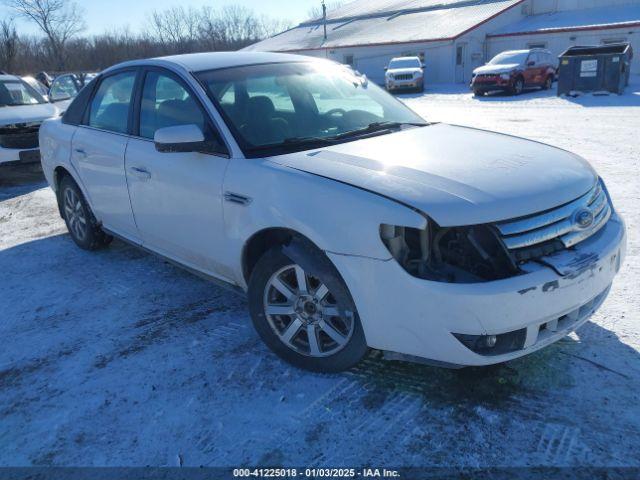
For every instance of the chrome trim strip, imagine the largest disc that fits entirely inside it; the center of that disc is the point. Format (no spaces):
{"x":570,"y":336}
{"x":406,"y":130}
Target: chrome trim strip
{"x":237,"y":198}
{"x":552,"y":216}
{"x":558,"y":223}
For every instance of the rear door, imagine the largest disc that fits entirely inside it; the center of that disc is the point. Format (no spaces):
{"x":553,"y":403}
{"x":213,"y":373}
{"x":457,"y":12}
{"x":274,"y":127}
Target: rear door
{"x":176,"y":197}
{"x":98,"y":152}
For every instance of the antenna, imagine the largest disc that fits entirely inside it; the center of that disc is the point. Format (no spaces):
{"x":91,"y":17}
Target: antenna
{"x":324,"y":18}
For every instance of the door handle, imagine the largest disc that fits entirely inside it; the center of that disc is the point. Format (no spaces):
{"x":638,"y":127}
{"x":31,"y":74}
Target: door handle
{"x":80,"y":151}
{"x":140,"y":172}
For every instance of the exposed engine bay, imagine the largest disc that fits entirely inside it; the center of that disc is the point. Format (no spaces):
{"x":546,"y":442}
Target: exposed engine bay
{"x":450,"y":254}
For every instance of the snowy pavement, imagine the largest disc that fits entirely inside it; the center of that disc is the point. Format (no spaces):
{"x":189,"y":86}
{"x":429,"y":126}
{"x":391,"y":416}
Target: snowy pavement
{"x":116,"y":358}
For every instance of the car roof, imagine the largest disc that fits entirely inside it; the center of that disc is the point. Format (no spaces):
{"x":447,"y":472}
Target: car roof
{"x":198,"y":62}
{"x":8,"y":77}
{"x":528,"y":50}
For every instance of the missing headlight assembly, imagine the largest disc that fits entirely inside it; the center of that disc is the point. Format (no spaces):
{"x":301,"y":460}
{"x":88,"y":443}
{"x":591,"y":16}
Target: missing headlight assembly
{"x":469,"y":254}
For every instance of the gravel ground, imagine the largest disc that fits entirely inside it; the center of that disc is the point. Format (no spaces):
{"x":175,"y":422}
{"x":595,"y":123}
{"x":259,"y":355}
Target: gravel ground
{"x":116,"y":358}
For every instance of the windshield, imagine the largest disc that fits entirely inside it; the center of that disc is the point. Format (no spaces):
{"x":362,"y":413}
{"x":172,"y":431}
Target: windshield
{"x":15,"y":93}
{"x":279,"y":108}
{"x":507,"y":58}
{"x":405,"y":63}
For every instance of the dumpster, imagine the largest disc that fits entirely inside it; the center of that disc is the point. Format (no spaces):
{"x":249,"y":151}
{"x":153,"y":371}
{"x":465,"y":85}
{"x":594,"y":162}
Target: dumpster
{"x":595,"y":69}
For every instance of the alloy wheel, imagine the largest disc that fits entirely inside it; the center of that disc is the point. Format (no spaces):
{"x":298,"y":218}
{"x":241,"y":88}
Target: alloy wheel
{"x":75,"y":215}
{"x":519,"y":86}
{"x":304,"y":314}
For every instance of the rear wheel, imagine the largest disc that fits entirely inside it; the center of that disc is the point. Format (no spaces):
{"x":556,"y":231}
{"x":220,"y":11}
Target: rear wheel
{"x":478,"y":93}
{"x":77,"y":214}
{"x":548,"y":83}
{"x":518,"y":86}
{"x":305,"y":314}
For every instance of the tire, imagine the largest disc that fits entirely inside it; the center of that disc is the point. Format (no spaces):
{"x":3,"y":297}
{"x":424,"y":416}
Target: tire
{"x":478,"y":93}
{"x":548,"y":83}
{"x":518,"y":86}
{"x":323,"y":305}
{"x":81,"y":223}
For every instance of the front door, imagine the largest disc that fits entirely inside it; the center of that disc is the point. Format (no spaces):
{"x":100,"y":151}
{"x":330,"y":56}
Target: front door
{"x":461,"y":58}
{"x":98,"y":153}
{"x":176,"y":197}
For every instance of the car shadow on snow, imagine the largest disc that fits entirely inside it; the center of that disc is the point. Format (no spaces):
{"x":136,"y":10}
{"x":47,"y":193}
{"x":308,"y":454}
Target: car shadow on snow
{"x":17,"y":180}
{"x":546,"y":371}
{"x":508,"y":97}
{"x":630,"y":98}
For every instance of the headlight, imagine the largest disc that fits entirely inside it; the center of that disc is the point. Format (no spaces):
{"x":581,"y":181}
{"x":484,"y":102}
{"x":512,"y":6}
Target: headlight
{"x":471,"y":254}
{"x":505,"y":76}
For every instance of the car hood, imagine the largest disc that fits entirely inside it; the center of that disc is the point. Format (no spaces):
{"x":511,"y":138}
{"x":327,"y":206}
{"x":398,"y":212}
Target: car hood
{"x":456,"y":175}
{"x":497,"y":69}
{"x":27,"y":113}
{"x":400,"y":71}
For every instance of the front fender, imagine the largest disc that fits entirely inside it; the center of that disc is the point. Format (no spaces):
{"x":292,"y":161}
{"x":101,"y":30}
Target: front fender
{"x":336,"y":217}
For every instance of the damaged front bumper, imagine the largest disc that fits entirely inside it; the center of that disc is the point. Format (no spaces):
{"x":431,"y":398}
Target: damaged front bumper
{"x":438,"y":321}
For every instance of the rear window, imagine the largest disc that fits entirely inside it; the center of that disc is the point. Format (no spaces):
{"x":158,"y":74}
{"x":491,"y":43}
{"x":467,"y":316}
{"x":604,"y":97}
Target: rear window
{"x":111,"y":103}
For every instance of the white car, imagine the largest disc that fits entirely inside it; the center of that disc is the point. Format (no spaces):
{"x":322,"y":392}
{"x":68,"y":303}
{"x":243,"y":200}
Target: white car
{"x":404,"y":73}
{"x":65,"y":88}
{"x":22,"y":111}
{"x":349,"y":220}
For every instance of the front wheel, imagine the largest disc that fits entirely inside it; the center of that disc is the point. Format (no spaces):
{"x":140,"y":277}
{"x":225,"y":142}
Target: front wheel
{"x":305,"y":314}
{"x":518,"y":86}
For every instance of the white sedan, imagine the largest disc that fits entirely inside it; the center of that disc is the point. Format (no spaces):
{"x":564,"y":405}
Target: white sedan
{"x":350,"y":221}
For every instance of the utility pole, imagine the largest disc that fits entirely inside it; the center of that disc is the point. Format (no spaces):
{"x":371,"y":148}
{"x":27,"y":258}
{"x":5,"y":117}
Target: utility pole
{"x":324,"y":18}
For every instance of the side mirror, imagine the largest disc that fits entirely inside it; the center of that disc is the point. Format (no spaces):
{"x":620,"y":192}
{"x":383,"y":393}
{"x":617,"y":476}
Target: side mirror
{"x":531,"y":63}
{"x":386,"y":68}
{"x":423,"y":66}
{"x":181,"y":138}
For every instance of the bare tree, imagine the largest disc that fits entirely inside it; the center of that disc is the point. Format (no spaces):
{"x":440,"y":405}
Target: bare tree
{"x":59,"y":20}
{"x":177,"y":28}
{"x":8,"y":44}
{"x":315,"y":13}
{"x":171,"y":31}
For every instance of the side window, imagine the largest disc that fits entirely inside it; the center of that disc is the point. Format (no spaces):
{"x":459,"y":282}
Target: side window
{"x":166,"y":103}
{"x":109,"y":108}
{"x":63,"y":88}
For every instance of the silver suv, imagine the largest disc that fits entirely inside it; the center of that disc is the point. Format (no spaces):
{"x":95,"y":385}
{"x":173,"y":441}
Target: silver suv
{"x":405,"y":73}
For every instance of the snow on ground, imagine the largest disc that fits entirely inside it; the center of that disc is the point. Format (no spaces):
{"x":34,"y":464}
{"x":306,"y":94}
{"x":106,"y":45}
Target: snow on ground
{"x":117,"y":358}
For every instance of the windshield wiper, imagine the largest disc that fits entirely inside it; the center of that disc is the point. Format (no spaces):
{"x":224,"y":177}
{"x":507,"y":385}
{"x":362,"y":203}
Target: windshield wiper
{"x":376,"y":127}
{"x":314,"y":141}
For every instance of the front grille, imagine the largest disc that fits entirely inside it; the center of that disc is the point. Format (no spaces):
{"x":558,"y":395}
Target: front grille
{"x":403,"y":76}
{"x":23,"y":137}
{"x":487,"y":76}
{"x":558,"y":228}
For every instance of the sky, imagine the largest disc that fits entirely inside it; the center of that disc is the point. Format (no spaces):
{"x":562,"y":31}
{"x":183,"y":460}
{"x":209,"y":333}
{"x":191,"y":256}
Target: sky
{"x":103,"y":15}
